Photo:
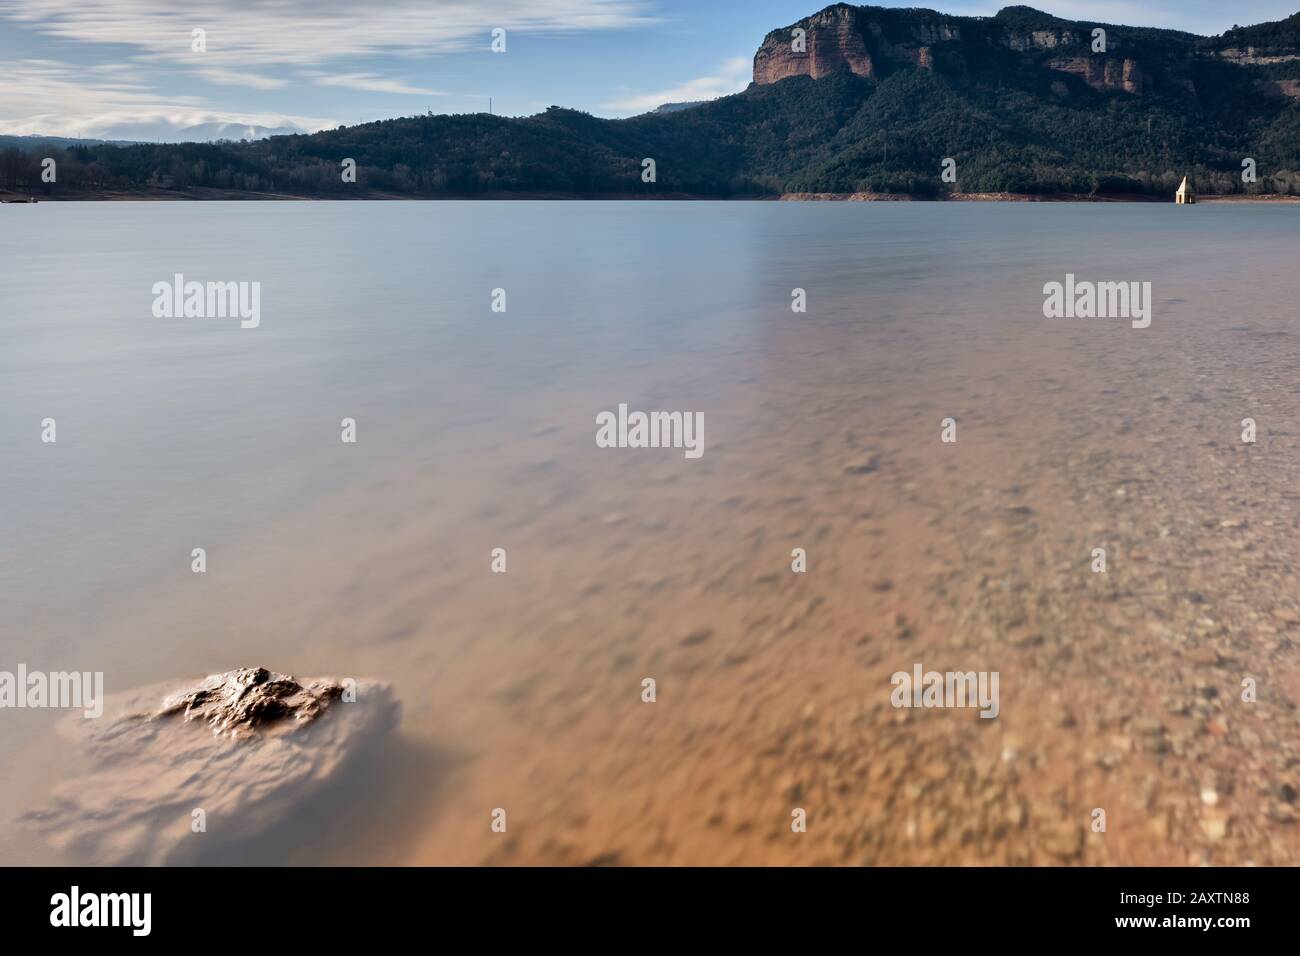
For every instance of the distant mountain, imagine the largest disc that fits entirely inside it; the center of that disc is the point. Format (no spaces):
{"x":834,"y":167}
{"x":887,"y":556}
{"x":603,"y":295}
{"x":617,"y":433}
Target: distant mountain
{"x":161,"y":131}
{"x":674,"y":107}
{"x":850,"y":99}
{"x":215,"y":132}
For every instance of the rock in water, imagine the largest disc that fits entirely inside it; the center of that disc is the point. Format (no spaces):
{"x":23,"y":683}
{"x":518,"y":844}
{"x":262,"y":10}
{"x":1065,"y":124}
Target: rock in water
{"x":241,"y":702}
{"x":245,"y":747}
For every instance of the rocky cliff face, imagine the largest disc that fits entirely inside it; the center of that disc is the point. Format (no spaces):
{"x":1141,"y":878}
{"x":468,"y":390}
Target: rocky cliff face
{"x":1251,"y":57}
{"x":1103,"y":74}
{"x":875,"y":41}
{"x":830,"y":41}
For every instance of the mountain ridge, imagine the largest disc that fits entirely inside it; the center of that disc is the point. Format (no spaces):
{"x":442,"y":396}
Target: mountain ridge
{"x":874,"y":41}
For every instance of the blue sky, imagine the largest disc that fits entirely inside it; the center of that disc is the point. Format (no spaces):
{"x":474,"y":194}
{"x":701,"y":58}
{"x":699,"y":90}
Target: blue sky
{"x":125,"y":68}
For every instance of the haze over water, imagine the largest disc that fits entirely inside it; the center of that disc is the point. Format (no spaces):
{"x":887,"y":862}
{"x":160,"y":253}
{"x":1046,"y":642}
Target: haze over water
{"x":476,"y":431}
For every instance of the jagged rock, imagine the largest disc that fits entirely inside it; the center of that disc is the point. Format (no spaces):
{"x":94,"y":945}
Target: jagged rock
{"x":832,"y":42}
{"x":238,"y":703}
{"x":246,"y":747}
{"x":1108,"y":74}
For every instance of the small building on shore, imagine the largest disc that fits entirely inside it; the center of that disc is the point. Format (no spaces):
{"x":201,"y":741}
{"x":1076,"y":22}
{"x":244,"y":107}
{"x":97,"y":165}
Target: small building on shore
{"x":1186,"y":195}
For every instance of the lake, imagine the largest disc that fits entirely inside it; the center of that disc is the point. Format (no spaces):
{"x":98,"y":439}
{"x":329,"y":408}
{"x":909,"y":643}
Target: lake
{"x":473,"y":346}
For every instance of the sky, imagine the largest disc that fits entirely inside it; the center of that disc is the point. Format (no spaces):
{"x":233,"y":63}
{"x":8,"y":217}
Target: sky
{"x":128,"y":68}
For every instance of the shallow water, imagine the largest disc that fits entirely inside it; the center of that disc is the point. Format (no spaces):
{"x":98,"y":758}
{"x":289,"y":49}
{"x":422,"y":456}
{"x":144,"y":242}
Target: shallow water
{"x":822,"y":431}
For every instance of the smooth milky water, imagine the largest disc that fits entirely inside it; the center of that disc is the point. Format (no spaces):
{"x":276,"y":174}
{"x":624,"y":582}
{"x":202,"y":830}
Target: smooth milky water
{"x":476,"y":430}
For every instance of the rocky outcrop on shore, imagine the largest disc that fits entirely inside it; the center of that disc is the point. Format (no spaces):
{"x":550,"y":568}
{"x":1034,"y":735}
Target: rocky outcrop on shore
{"x":175,"y":772}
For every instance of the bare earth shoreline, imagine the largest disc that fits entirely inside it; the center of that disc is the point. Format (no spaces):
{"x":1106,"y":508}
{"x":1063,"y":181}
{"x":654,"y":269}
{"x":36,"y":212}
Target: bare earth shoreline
{"x":204,"y":194}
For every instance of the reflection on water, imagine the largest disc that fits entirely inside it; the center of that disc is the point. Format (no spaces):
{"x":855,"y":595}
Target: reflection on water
{"x":476,"y":431}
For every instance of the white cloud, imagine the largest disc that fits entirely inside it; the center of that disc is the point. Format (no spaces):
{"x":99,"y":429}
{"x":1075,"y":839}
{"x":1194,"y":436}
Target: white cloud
{"x":303,"y":32}
{"x":373,"y":83}
{"x":732,"y":77}
{"x":110,"y":101}
{"x":224,"y":77}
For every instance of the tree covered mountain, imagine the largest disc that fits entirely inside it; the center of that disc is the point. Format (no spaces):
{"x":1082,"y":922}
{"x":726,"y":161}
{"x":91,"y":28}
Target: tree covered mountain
{"x":875,"y":100}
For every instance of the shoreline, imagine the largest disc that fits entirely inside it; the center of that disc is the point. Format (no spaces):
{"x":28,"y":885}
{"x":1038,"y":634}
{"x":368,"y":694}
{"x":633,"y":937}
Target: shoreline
{"x":229,"y":195}
{"x":1029,"y":197}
